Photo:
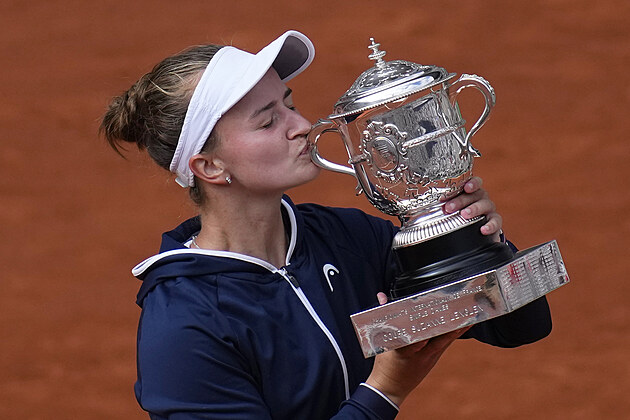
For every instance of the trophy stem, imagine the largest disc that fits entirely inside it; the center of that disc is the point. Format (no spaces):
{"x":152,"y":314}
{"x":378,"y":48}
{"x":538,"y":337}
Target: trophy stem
{"x":447,"y":258}
{"x":428,"y":224}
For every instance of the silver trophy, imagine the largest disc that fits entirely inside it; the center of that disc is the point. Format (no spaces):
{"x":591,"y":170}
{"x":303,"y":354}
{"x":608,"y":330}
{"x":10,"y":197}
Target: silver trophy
{"x":409,"y":150}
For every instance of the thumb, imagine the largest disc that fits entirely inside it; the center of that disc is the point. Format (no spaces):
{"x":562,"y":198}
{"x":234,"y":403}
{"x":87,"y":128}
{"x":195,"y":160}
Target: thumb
{"x":382,"y":298}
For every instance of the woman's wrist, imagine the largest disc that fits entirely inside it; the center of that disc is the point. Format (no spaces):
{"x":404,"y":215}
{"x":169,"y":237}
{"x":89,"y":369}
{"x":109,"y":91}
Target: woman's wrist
{"x":396,"y":398}
{"x":385,"y":397}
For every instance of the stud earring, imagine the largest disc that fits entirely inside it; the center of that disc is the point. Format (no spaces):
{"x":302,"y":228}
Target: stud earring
{"x":228,"y":179}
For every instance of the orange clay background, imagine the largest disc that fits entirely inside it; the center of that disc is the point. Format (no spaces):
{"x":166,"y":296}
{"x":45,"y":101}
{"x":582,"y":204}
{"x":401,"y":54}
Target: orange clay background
{"x":75,"y":217}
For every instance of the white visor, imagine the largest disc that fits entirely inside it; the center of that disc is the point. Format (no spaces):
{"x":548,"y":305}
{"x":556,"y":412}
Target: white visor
{"x":229,"y":76}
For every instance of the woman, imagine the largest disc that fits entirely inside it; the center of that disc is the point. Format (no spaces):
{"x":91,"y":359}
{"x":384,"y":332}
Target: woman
{"x":239,"y":319}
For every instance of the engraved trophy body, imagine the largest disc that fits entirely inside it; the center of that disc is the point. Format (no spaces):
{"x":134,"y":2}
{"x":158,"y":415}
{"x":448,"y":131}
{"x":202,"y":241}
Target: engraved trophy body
{"x":409,"y":150}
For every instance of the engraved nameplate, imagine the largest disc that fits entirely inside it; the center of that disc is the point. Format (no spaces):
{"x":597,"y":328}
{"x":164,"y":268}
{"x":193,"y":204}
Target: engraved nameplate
{"x":533,"y":273}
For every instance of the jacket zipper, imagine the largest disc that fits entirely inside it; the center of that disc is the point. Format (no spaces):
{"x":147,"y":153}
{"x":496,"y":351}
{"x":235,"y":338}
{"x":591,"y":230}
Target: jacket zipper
{"x":307,"y":304}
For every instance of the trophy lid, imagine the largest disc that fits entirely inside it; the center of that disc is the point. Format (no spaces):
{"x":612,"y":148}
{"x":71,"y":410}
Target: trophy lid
{"x":387,"y":81}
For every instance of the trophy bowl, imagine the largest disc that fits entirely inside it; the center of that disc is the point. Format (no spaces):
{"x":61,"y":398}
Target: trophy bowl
{"x":409,"y":151}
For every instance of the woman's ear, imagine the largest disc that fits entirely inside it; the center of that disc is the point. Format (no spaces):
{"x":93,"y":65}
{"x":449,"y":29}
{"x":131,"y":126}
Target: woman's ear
{"x":207,"y":168}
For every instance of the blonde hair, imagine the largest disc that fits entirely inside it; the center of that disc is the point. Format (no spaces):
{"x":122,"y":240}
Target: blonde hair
{"x":151,"y":113}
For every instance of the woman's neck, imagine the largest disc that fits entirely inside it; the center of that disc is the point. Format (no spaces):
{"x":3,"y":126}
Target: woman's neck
{"x":252,"y":227}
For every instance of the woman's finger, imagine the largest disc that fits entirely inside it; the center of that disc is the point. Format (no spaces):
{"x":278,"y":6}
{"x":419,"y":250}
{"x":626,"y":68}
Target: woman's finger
{"x":479,"y":208}
{"x":493,"y":226}
{"x":382,"y":298}
{"x":473,"y":184}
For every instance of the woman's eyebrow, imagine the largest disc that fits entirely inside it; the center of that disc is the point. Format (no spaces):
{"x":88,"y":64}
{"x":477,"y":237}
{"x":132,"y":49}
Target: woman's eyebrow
{"x":270,"y":105}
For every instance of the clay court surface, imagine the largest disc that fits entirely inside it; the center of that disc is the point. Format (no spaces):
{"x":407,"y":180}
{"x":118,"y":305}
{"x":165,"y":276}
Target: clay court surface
{"x":75,"y":217}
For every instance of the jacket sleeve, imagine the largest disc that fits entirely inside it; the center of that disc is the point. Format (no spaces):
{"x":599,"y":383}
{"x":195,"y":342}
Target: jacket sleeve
{"x":367,"y":403}
{"x":525,"y":325}
{"x":528,"y":324}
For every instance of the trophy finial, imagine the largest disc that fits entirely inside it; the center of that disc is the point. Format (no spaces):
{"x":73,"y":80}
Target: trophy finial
{"x":377,"y":55}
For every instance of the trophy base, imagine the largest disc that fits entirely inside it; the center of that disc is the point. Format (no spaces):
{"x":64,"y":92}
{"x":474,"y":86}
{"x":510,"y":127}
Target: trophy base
{"x":531,"y":274}
{"x":447,"y":258}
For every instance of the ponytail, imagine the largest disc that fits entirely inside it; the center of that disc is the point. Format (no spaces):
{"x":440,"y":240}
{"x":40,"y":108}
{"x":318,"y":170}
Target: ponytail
{"x":151,"y":113}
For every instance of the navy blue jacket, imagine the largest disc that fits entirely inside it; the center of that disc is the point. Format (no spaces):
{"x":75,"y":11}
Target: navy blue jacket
{"x":225,"y":335}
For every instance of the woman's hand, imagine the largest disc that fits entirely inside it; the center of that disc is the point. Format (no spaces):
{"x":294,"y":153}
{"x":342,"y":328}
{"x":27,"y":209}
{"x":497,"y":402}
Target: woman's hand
{"x":474,"y":202}
{"x":398,"y":372}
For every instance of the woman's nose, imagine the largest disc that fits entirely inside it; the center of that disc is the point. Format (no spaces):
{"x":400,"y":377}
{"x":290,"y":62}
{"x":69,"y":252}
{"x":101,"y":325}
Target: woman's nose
{"x":300,"y":126}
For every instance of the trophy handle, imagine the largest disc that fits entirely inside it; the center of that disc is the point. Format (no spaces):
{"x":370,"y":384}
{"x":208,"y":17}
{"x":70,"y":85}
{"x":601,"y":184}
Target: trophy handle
{"x":482,"y":85}
{"x":319,"y":128}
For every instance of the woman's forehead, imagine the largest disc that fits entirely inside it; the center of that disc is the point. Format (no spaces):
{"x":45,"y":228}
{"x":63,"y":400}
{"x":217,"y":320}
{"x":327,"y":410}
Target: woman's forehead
{"x":269,"y":89}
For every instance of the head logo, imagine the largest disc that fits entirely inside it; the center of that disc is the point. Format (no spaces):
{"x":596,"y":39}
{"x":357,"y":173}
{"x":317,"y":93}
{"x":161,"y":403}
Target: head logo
{"x":329,"y":271}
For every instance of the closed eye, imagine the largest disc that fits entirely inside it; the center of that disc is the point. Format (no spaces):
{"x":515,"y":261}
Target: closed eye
{"x":271,"y":105}
{"x":269,"y":123}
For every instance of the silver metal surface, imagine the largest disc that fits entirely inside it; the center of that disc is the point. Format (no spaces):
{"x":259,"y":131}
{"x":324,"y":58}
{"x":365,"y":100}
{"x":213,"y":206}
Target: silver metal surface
{"x":406,"y":141}
{"x":533,"y":273}
{"x":387,"y":81}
